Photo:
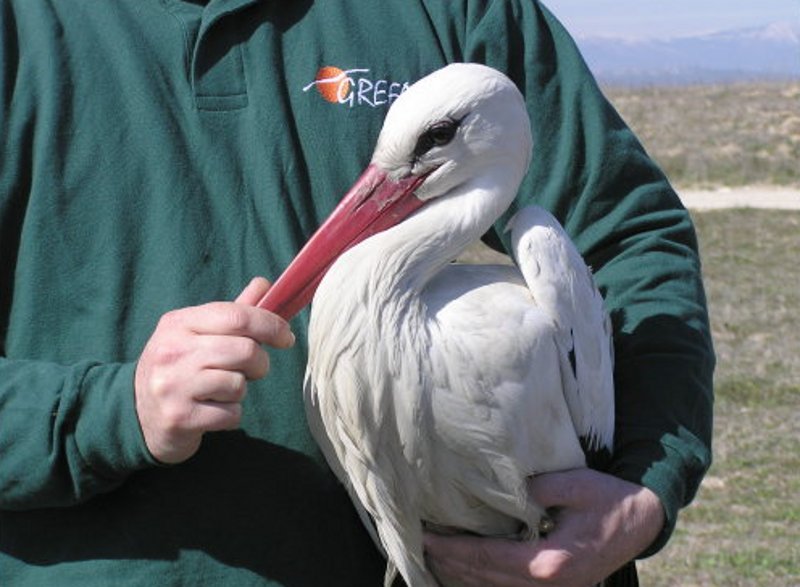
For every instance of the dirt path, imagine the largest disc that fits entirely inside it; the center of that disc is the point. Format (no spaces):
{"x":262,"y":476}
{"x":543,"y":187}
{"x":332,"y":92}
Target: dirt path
{"x":778,"y":198}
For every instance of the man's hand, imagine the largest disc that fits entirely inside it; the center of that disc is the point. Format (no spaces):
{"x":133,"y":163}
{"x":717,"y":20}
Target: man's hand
{"x":601,"y":522}
{"x":193,"y":372}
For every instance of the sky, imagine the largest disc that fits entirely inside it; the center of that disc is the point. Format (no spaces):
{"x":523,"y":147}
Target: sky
{"x":659,"y":19}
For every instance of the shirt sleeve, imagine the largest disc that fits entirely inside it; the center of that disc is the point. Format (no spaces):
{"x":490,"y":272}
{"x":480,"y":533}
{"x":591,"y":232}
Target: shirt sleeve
{"x":67,"y":432}
{"x":591,"y":171}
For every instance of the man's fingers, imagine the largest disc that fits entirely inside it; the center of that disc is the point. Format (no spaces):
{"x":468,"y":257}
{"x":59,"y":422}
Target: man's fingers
{"x":214,"y":385}
{"x":254,"y":291}
{"x":601,"y":523}
{"x":468,"y":560}
{"x":211,"y":416}
{"x":234,"y":319}
{"x":232,"y":353}
{"x":479,"y":561}
{"x":251,"y":295}
{"x":193,"y":372}
{"x":221,"y":386}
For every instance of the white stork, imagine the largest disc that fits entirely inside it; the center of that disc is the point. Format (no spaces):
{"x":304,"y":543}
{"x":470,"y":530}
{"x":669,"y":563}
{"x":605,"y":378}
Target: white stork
{"x":436,"y":389}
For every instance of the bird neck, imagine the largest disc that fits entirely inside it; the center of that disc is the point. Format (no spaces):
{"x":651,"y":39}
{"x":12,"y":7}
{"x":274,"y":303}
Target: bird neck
{"x":413,"y":252}
{"x":374,"y":289}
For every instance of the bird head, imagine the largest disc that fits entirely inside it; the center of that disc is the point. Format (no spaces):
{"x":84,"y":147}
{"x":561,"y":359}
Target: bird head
{"x":452,"y":124}
{"x":443,"y":132}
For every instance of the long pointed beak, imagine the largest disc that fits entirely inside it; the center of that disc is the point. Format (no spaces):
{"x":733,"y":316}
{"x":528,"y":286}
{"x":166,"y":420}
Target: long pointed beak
{"x":373,"y":204}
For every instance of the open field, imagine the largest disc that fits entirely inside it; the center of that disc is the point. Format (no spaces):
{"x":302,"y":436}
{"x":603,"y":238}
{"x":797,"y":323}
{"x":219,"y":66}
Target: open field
{"x":707,"y":136}
{"x":744,"y":527}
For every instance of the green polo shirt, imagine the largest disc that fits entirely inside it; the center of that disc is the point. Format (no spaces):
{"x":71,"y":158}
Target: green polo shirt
{"x":156,"y":154}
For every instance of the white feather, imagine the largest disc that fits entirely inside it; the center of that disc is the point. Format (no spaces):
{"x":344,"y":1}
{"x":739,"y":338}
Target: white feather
{"x":436,"y":390}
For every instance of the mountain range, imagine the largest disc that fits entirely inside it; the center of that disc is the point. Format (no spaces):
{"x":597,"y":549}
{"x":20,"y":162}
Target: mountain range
{"x":767,"y":52}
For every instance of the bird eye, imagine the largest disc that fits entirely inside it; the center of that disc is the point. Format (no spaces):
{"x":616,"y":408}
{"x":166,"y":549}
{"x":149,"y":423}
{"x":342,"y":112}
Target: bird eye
{"x":443,"y":132}
{"x":437,"y":135}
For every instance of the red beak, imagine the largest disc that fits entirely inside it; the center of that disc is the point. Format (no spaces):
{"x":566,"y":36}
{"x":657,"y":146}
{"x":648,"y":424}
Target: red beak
{"x":372,"y":205}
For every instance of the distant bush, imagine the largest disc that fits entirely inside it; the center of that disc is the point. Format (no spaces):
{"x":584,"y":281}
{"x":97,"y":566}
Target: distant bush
{"x":718,"y":135}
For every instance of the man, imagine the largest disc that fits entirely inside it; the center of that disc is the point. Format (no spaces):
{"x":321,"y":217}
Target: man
{"x":155,"y":155}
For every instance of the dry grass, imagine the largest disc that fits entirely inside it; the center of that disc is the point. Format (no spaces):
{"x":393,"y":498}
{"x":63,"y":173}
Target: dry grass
{"x":753,"y":281}
{"x":706,"y":136}
{"x":744,"y":527}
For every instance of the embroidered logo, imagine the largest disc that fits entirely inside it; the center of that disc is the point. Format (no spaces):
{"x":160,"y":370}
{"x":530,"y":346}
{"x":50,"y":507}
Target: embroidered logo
{"x":353,"y":87}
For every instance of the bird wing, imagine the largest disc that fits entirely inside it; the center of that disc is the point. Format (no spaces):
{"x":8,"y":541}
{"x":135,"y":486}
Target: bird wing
{"x":318,"y":431}
{"x":562,"y":285}
{"x":351,"y":411}
{"x":497,"y":402}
